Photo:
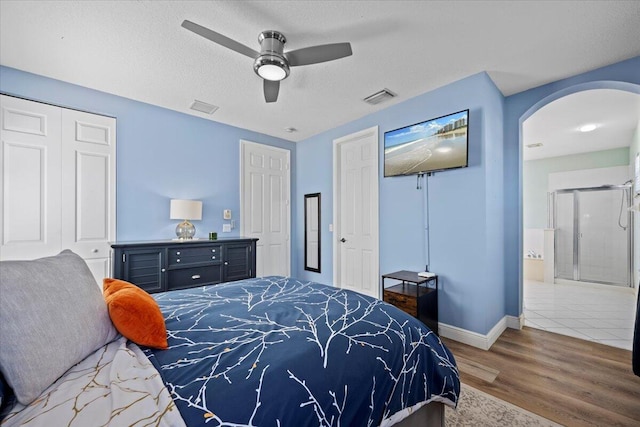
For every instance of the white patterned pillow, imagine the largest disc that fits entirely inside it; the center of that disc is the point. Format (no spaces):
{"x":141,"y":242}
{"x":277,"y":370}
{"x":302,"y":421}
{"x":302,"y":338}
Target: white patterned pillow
{"x":52,"y":315}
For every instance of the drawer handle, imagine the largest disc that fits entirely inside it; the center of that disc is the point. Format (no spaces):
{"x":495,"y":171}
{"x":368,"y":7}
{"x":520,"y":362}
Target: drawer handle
{"x":226,"y":263}
{"x":213,"y":250}
{"x":95,"y":251}
{"x":213,"y":257}
{"x":178,"y":253}
{"x":195,"y":276}
{"x":178,"y":260}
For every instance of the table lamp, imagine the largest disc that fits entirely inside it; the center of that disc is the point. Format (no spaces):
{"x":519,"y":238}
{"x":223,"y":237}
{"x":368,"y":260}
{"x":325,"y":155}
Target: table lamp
{"x":185,"y":210}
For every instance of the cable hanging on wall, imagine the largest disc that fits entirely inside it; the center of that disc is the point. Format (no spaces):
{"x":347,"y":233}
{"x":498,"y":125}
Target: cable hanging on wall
{"x":426,"y":222}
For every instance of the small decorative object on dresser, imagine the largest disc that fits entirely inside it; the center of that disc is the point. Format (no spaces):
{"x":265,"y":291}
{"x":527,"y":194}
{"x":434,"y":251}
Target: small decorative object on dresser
{"x":158,"y":266}
{"x":416,"y":295}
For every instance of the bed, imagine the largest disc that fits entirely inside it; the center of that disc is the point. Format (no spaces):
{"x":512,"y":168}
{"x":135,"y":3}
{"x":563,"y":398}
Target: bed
{"x":271,"y":351}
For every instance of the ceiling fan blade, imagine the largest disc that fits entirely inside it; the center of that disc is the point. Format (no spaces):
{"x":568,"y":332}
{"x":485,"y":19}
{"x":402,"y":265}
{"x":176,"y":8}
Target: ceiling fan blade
{"x":317,"y":54}
{"x":220,"y":39}
{"x":271,"y":89}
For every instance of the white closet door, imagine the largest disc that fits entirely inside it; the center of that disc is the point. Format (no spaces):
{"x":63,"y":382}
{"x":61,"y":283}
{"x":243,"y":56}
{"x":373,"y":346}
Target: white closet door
{"x":30,"y":179}
{"x":88,"y":187}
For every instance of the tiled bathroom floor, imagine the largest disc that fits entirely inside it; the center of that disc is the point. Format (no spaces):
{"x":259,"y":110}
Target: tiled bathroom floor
{"x":599,"y":313}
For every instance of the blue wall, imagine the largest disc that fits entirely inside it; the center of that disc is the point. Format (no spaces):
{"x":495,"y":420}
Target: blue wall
{"x":475,"y":214}
{"x":623,"y":75}
{"x":465,"y":206}
{"x":161,"y":154}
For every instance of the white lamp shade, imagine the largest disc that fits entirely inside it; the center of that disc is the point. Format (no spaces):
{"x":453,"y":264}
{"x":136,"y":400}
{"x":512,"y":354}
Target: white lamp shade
{"x":186,"y":209}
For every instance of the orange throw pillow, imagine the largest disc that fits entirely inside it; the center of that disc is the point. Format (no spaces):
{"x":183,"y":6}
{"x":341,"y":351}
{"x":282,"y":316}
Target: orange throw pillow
{"x":135,"y":314}
{"x":111,"y":286}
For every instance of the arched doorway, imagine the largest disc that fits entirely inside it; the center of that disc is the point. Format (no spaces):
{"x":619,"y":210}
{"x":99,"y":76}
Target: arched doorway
{"x":577,"y":161}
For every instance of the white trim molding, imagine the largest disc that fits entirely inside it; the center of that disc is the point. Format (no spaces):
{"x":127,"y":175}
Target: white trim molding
{"x":477,"y":340}
{"x":515,"y":322}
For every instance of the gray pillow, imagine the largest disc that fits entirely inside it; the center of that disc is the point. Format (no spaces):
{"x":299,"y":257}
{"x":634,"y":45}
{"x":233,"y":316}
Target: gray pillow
{"x":52,"y":315}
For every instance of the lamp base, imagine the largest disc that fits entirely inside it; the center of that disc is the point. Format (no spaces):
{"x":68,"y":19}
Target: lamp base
{"x":185,"y":230}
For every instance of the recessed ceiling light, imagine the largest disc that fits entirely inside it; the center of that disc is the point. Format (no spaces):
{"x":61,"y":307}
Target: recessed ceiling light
{"x":535,"y":145}
{"x":587,"y":128}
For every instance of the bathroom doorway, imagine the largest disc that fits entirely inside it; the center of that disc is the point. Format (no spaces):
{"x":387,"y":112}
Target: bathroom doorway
{"x":578,"y":238}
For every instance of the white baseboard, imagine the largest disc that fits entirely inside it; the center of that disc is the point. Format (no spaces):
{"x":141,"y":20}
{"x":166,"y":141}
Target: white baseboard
{"x":477,"y":340}
{"x":515,"y":322}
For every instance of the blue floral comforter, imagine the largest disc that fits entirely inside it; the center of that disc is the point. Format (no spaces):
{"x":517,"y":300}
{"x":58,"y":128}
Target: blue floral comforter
{"x":277,"y":351}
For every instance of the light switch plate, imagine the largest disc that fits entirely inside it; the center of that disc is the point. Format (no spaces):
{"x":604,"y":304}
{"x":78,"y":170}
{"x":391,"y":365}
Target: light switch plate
{"x":226,"y":214}
{"x":226,"y":228}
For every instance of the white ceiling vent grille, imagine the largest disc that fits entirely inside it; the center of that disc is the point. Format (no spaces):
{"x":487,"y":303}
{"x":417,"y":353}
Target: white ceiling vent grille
{"x":379,"y":97}
{"x":203,"y":107}
{"x":535,"y":145}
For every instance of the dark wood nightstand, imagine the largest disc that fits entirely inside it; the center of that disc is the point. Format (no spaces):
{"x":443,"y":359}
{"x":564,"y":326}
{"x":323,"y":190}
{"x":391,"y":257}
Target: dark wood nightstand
{"x":416,"y":295}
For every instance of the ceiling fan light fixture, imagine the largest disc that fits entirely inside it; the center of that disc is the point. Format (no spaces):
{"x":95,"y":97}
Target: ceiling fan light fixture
{"x":272,"y":64}
{"x":271,"y":67}
{"x":271,"y":72}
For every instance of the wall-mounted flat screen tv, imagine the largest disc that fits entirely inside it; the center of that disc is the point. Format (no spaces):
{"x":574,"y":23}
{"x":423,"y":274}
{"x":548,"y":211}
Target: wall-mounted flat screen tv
{"x":434,"y":145}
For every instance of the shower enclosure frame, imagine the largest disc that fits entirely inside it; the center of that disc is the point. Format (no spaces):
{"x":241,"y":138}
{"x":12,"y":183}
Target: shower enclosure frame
{"x":576,"y":231}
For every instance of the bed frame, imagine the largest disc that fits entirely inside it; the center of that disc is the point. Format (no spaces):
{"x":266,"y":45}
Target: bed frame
{"x":429,"y":415}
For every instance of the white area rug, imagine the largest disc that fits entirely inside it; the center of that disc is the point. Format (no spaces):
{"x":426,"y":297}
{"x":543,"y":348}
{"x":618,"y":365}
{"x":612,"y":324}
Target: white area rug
{"x":477,"y":408}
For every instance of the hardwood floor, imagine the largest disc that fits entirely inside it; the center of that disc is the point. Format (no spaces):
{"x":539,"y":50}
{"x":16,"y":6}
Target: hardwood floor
{"x":567,"y":380}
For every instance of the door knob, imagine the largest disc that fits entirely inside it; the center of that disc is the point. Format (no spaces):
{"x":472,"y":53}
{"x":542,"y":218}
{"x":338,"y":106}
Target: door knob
{"x":343,"y":240}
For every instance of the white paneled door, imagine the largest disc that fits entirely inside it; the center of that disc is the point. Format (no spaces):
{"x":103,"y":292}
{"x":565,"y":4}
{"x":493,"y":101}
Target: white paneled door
{"x":265,"y":208}
{"x":88,"y":193}
{"x":57,"y":183}
{"x":30,"y":210}
{"x":356,"y":212}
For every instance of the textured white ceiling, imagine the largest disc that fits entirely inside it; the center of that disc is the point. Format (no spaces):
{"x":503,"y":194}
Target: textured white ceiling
{"x":138,"y":50}
{"x":556,"y":126}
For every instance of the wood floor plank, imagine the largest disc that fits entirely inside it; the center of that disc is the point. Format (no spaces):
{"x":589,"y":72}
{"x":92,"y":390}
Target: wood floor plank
{"x":483,"y":372}
{"x":567,"y":380}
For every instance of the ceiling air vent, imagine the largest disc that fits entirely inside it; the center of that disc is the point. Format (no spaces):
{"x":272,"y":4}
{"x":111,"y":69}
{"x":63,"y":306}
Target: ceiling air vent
{"x":203,"y":107}
{"x":379,"y":97}
{"x":537,"y":144}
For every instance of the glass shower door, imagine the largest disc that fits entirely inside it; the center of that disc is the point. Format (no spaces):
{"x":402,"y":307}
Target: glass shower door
{"x":564,"y":235}
{"x":603,"y":241}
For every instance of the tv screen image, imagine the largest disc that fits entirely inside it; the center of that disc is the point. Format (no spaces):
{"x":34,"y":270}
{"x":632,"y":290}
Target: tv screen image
{"x":429,"y":146}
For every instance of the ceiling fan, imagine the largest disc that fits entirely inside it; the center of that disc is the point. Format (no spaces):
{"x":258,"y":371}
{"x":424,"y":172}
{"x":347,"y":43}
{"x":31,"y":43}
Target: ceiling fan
{"x":271,"y":63}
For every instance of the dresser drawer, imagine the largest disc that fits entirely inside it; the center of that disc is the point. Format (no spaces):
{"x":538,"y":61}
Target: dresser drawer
{"x":195,"y":276}
{"x":179,"y":257}
{"x":408,"y":304}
